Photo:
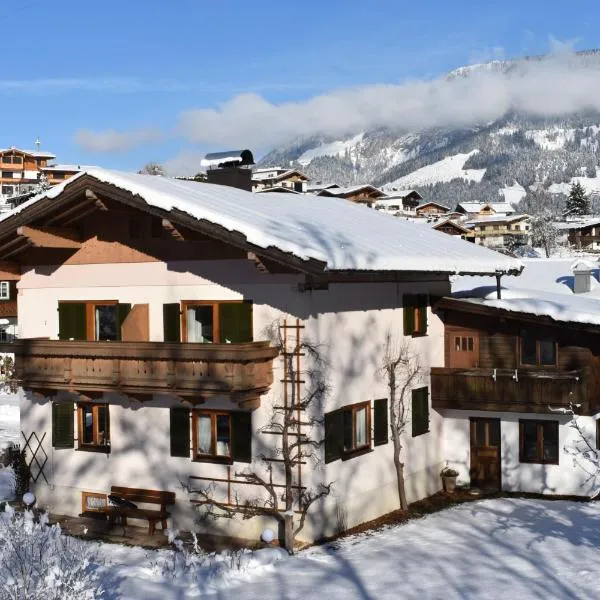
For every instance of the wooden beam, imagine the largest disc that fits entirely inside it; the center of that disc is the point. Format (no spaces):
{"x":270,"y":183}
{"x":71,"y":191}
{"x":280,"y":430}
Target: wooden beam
{"x":173,"y":231}
{"x":24,"y":245}
{"x":88,"y":211}
{"x":70,"y":211}
{"x":49,"y":237}
{"x":9,"y":270}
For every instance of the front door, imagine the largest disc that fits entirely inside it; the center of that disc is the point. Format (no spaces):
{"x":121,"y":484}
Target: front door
{"x":485,"y":453}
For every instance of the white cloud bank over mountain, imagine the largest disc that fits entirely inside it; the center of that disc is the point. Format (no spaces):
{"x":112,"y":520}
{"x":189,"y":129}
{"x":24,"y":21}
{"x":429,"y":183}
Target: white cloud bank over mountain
{"x":559,"y":84}
{"x":115,"y":141}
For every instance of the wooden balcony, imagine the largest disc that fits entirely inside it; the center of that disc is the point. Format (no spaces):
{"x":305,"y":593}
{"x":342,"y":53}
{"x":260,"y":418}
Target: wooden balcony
{"x":505,"y":390}
{"x":142,"y":369}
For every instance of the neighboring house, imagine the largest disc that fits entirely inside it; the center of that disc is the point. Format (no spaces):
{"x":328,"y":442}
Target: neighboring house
{"x":583,"y":235}
{"x":276,"y":177}
{"x":431,"y":209}
{"x":59,"y":172}
{"x":513,"y":368}
{"x":318,"y":186}
{"x":399,"y":202}
{"x":454,"y":228}
{"x":362,"y":194}
{"x":501,"y":231}
{"x":484,"y":209}
{"x":147,"y":308}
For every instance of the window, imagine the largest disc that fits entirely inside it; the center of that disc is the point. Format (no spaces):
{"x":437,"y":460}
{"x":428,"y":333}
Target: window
{"x":4,"y":290}
{"x":415,"y":314}
{"x":420,"y":411}
{"x":7,"y":190}
{"x":98,"y":320}
{"x":538,"y":442}
{"x":211,"y":436}
{"x":17,"y":160}
{"x":464,"y":343}
{"x":7,"y":175}
{"x":357,"y":434}
{"x":7,"y":160}
{"x":93,"y":426}
{"x":536,"y":350}
{"x":217,"y":322}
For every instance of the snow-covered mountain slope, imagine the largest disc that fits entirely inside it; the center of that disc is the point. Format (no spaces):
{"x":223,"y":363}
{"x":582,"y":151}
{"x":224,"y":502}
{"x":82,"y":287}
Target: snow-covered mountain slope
{"x":504,"y":158}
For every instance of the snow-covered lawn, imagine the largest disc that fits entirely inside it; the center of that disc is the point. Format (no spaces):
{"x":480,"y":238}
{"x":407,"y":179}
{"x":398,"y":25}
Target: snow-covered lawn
{"x":9,"y":420}
{"x":490,"y":549}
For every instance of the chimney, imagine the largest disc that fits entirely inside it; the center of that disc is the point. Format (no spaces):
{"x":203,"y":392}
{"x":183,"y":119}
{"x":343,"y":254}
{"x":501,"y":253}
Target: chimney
{"x":583,"y":275}
{"x":232,"y":168}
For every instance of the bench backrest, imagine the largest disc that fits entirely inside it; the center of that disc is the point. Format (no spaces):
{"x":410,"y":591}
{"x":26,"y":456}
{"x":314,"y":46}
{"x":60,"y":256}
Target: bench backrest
{"x":147,"y":496}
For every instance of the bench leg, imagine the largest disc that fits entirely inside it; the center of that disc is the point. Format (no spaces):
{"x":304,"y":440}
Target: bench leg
{"x":164,"y":524}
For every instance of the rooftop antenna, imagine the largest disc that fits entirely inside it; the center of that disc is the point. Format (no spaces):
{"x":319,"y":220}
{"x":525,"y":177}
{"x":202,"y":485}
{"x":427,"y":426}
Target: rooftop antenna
{"x":37,"y":143}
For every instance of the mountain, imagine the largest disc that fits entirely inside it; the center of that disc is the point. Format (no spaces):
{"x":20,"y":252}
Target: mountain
{"x":506,"y":157}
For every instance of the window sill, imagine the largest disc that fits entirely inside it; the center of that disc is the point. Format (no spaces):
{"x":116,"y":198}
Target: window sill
{"x":217,"y":460}
{"x":354,"y":453}
{"x":418,"y":334}
{"x":538,"y":462}
{"x":99,"y":449}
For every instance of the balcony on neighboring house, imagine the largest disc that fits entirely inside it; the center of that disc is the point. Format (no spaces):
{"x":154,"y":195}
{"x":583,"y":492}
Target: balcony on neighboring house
{"x":508,"y":390}
{"x":190,"y":371}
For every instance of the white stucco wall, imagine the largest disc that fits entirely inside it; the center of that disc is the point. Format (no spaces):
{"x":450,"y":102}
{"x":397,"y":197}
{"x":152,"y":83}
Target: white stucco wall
{"x":570,"y":477}
{"x":348,"y":322}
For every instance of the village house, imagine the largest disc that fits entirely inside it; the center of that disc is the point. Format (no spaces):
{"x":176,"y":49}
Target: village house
{"x":583,"y":234}
{"x":399,"y":202}
{"x":157,"y":315}
{"x":501,"y":231}
{"x":362,"y":194}
{"x":484,"y":209}
{"x":514,"y":367}
{"x":276,"y":177}
{"x":452,"y":227}
{"x":431,"y":209}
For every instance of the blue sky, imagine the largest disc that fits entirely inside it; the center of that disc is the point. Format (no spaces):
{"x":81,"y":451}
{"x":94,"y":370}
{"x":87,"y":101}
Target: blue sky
{"x":108,"y":82}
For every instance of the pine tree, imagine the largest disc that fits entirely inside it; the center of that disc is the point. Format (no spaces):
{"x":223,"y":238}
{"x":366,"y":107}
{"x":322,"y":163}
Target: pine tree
{"x":578,"y":202}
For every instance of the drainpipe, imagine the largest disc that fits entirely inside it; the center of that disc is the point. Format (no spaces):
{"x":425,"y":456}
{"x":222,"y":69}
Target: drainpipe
{"x":498,"y":285}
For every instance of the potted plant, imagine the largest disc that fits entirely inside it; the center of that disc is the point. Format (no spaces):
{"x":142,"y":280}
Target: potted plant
{"x":449,"y":475}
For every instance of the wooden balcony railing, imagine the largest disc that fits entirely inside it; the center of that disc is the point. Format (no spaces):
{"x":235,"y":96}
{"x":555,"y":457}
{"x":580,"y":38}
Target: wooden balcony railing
{"x":142,"y":369}
{"x":507,"y":390}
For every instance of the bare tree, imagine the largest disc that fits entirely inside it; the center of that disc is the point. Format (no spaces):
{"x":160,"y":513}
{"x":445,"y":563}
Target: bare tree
{"x":403,"y":371}
{"x":152,"y":168}
{"x":544,"y":233}
{"x":295,"y":421}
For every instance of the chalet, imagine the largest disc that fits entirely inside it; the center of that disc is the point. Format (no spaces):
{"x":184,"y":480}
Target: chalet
{"x":514,"y":368}
{"x":431,"y":209}
{"x":399,"y":202}
{"x":484,"y":209}
{"x":157,"y":321}
{"x":452,"y":227}
{"x":318,"y":186}
{"x":501,"y":231}
{"x":583,"y":235}
{"x":276,"y":177}
{"x":362,"y":194}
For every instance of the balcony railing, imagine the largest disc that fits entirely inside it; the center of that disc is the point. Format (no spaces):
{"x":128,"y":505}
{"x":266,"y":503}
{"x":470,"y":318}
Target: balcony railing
{"x":142,"y":369}
{"x":507,"y":390}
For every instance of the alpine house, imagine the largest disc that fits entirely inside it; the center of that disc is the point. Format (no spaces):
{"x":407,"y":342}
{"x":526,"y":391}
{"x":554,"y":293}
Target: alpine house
{"x":158,"y":319}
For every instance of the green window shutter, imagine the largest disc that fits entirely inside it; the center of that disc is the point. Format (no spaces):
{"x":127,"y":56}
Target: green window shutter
{"x":63,"y":419}
{"x":241,"y":436}
{"x":334,"y":435}
{"x":172,"y":322}
{"x":180,"y":432}
{"x":420,"y":411}
{"x":12,"y":290}
{"x":422,"y":302}
{"x":408,"y":302}
{"x":235,"y":322}
{"x":380,"y":422}
{"x":124,"y":310}
{"x":72,"y":321}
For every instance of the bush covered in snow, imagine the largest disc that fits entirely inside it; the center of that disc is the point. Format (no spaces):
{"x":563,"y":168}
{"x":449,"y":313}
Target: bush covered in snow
{"x":38,"y":562}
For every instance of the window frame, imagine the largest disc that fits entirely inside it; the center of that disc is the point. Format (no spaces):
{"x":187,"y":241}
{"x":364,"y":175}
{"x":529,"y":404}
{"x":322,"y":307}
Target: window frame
{"x":419,"y":304}
{"x":366,"y":447}
{"x":185,"y":304}
{"x":539,"y":459}
{"x":90,"y":320}
{"x":4,"y":285}
{"x":538,"y":353}
{"x":212,"y":456}
{"x":95,"y":446}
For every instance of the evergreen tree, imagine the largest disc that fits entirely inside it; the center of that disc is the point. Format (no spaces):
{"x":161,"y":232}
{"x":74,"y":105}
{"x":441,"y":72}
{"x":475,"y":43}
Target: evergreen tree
{"x":578,"y":202}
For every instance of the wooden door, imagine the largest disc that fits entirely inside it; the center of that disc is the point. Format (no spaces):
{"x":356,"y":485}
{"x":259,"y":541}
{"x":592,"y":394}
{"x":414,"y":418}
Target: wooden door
{"x":464,"y":348}
{"x":485,"y":453}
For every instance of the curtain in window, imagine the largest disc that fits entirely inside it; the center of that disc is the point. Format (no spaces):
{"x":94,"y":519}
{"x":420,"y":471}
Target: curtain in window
{"x":361,"y":426}
{"x":199,"y":321}
{"x":204,"y":434}
{"x":223,"y":448}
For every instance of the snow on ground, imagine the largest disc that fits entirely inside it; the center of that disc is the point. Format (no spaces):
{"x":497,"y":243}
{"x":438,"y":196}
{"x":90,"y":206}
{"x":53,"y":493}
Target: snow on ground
{"x":554,"y":138}
{"x":590,"y":184}
{"x":513,"y":194}
{"x":337,"y":148}
{"x":451,"y":167}
{"x":9,"y":420}
{"x":493,"y":549}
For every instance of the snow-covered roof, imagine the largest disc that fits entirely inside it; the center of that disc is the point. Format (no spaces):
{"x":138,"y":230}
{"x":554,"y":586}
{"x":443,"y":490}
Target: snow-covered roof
{"x":36,"y":153}
{"x":432,"y":203}
{"x":497,"y":219}
{"x":475,"y":207}
{"x":214,"y":159}
{"x":580,"y":224}
{"x":263,"y":174}
{"x":400,"y":193}
{"x":65,"y":167}
{"x":343,"y":235}
{"x":343,"y":191}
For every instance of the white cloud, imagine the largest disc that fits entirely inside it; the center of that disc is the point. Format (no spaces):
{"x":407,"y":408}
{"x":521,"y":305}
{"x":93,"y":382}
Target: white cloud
{"x":562,"y":83}
{"x":185,"y":163}
{"x":115,"y":141}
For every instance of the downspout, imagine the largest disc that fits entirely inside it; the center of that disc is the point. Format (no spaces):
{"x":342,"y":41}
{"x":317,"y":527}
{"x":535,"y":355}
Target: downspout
{"x":498,"y":285}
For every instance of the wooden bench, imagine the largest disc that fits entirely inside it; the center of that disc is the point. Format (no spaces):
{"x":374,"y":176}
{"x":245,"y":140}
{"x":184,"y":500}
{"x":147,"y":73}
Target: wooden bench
{"x":145,"y":497}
